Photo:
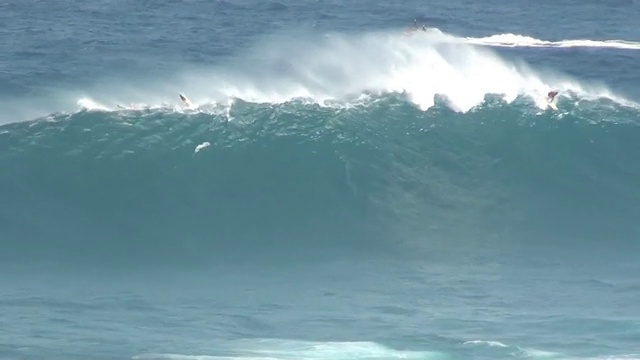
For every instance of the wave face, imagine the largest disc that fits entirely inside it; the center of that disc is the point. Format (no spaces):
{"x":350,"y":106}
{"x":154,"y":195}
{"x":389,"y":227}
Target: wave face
{"x":378,"y":142}
{"x":297,"y":178}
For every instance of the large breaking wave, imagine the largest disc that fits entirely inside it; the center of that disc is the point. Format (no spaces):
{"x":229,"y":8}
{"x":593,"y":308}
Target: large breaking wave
{"x":348,"y":144}
{"x":295,"y":179}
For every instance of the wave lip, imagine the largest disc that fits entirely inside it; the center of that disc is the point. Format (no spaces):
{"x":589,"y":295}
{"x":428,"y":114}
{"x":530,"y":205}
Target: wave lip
{"x":516,"y":40}
{"x":345,"y":70}
{"x":341,"y":70}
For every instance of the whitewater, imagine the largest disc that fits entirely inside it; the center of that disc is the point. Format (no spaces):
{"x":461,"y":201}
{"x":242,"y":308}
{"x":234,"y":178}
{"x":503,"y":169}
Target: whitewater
{"x":342,"y":187}
{"x":346,"y":70}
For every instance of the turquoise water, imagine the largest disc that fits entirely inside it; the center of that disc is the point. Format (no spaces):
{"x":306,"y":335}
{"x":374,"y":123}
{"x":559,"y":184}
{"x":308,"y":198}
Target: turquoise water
{"x":340,"y":189}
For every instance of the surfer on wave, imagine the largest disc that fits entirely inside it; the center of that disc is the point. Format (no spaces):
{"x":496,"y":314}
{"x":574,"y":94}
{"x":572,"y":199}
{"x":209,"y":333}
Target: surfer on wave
{"x":416,"y":27}
{"x":185,"y":101}
{"x":551,"y":99}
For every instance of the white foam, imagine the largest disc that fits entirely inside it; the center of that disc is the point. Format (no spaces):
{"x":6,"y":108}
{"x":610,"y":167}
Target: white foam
{"x":91,"y":105}
{"x":272,"y":349}
{"x":339,"y":68}
{"x":485,"y":342}
{"x":538,"y":354}
{"x":346,"y":69}
{"x":515,"y":40}
{"x":202,"y":146}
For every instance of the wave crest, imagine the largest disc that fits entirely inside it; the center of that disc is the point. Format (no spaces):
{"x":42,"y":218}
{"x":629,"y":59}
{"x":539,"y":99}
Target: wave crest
{"x":347,"y":70}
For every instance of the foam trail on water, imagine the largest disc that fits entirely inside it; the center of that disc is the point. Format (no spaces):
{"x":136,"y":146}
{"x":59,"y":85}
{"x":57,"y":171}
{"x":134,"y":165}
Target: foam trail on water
{"x":515,"y":40}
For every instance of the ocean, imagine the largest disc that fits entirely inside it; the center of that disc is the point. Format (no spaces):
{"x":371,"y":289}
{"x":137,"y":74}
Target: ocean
{"x":340,"y":188}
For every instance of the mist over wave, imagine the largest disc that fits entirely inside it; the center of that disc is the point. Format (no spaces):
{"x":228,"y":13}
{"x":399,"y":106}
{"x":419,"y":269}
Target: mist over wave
{"x":336,"y":70}
{"x":340,"y":67}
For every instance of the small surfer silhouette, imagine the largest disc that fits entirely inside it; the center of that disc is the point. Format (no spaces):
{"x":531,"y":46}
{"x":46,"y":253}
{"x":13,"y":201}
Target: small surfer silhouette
{"x":415,"y":27}
{"x":551,"y":99}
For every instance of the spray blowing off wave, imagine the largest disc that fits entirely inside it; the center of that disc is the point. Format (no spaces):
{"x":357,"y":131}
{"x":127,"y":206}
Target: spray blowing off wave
{"x":339,"y":66}
{"x":339,"y":69}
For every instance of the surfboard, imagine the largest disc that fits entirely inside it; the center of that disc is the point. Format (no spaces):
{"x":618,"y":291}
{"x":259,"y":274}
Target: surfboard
{"x":185,"y":100}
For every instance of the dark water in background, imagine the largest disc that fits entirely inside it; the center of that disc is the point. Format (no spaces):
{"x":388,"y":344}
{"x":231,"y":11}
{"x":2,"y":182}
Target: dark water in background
{"x":334,"y":209}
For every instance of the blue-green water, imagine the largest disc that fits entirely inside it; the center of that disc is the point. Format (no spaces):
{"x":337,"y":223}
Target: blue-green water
{"x":341,"y":188}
